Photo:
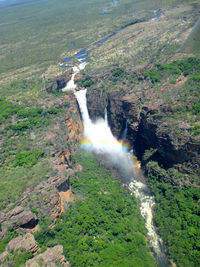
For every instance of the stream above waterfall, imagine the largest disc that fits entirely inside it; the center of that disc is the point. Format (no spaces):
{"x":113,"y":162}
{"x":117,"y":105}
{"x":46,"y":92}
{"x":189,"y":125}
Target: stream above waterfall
{"x":83,"y":54}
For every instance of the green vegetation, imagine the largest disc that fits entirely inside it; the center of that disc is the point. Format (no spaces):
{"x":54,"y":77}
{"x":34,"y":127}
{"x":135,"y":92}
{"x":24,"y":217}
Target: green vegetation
{"x":4,"y":242}
{"x":27,"y":158}
{"x":118,"y":74}
{"x":20,"y":87}
{"x":6,"y":110}
{"x":175,"y":68}
{"x":30,"y":36}
{"x":25,"y":118}
{"x":195,"y":130}
{"x":19,"y":258}
{"x":86,"y":82}
{"x":191,"y":45}
{"x":177,"y":216}
{"x":16,"y":259}
{"x":196,"y":108}
{"x":21,"y":166}
{"x":103,"y":227}
{"x":15,"y":180}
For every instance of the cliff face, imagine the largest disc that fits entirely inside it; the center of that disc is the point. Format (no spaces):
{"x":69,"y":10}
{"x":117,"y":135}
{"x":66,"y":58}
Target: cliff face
{"x":148,"y":129}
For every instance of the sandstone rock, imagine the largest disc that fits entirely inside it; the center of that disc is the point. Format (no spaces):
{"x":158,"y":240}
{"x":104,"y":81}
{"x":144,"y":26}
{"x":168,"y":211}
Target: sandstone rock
{"x":3,"y":255}
{"x":50,"y":258}
{"x":148,"y":125}
{"x":45,"y":196}
{"x":66,"y":197}
{"x":18,"y":217}
{"x":96,"y":102}
{"x":26,"y":219}
{"x":26,"y":243}
{"x":58,"y":83}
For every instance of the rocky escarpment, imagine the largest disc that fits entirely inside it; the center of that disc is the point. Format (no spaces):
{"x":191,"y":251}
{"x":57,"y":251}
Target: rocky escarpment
{"x":27,"y":244}
{"x":51,"y":257}
{"x":148,"y":128}
{"x":19,"y":217}
{"x":49,"y":198}
{"x":57,"y":83}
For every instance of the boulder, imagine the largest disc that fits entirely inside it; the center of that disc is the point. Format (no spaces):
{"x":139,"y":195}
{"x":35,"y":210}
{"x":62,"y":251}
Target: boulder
{"x":52,"y":257}
{"x":18,"y":217}
{"x":3,"y":256}
{"x":26,"y":243}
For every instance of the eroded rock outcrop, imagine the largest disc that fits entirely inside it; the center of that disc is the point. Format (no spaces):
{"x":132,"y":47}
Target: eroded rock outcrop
{"x":52,"y":257}
{"x":26,"y":243}
{"x":58,"y":83}
{"x":45,"y":197}
{"x":21,"y":243}
{"x":18,"y":217}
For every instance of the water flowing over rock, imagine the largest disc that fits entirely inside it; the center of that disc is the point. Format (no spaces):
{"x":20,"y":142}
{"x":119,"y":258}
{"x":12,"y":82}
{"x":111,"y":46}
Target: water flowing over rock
{"x":71,"y":84}
{"x":101,"y":141}
{"x":147,"y":202}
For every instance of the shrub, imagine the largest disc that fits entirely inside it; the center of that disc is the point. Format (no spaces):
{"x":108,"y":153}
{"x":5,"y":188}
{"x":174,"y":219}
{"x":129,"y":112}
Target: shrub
{"x":175,"y":68}
{"x":196,"y":108}
{"x":27,"y":158}
{"x":86,"y":82}
{"x":119,"y":72}
{"x":173,"y":81}
{"x":3,"y":243}
{"x":7,"y":109}
{"x":195,"y":130}
{"x":21,"y":126}
{"x":153,"y":75}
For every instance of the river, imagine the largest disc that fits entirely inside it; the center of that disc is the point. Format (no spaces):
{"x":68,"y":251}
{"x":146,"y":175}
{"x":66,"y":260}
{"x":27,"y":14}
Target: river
{"x":101,"y":141}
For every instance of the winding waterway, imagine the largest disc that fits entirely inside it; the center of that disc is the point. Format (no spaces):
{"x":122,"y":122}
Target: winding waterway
{"x":83,"y":54}
{"x":101,"y":141}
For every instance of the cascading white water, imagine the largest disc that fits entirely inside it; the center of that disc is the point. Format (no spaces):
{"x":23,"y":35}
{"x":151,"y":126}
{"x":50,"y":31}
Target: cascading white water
{"x":100,"y":140}
{"x":147,"y":201}
{"x":98,"y":133}
{"x":71,"y":85}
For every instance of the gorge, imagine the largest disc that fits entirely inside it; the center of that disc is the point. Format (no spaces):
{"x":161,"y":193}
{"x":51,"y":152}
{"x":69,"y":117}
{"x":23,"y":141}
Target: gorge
{"x":99,"y":133}
{"x":100,"y":140}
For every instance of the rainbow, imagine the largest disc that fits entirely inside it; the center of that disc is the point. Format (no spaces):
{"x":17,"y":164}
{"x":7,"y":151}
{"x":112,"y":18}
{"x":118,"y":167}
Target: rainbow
{"x":87,"y":144}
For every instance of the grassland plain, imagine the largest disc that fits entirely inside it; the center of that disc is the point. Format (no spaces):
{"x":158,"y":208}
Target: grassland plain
{"x":40,"y":33}
{"x":35,"y":37}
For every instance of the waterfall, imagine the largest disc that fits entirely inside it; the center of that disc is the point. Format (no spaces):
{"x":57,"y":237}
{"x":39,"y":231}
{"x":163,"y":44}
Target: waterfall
{"x":99,"y":139}
{"x":124,"y":133}
{"x":81,"y":98}
{"x":106,"y":115}
{"x":71,"y":85}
